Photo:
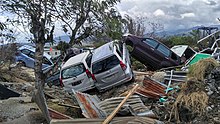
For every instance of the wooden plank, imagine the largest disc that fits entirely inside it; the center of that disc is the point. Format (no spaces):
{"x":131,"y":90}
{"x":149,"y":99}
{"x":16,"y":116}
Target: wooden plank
{"x":111,"y":116}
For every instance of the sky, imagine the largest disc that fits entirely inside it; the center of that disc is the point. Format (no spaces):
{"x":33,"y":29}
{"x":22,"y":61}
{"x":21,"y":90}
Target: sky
{"x":174,"y":14}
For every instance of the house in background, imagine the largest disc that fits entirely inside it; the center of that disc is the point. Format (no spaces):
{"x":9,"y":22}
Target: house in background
{"x":51,"y":50}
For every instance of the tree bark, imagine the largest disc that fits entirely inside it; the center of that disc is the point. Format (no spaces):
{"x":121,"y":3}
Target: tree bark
{"x":38,"y":96}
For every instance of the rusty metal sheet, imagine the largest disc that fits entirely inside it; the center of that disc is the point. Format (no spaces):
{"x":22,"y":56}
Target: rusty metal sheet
{"x":116,"y":120}
{"x":151,"y":88}
{"x":88,"y":105}
{"x":57,"y":115}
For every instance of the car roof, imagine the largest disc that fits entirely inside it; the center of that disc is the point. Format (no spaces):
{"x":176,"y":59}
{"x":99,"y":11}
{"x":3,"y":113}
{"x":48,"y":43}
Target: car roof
{"x":103,"y":51}
{"x":75,"y":59}
{"x":33,"y":50}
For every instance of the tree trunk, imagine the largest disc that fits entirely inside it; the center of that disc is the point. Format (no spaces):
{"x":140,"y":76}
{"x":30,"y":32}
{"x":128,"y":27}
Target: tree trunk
{"x":38,"y":96}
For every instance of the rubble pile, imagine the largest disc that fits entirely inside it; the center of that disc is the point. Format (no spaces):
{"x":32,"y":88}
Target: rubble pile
{"x":187,"y":95}
{"x":17,"y":74}
{"x":213,"y":91}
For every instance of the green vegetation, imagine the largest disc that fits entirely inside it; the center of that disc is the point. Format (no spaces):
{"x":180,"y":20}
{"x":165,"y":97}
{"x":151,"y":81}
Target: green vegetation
{"x":180,"y":40}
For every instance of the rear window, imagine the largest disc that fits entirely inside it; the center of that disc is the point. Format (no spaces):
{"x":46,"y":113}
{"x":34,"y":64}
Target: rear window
{"x":73,"y":71}
{"x":105,"y":64}
{"x":164,"y":50}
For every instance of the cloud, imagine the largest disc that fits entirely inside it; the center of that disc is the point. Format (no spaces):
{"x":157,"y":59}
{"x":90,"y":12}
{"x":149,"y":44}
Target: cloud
{"x":159,"y":12}
{"x":174,"y":14}
{"x":187,"y":15}
{"x":210,"y":2}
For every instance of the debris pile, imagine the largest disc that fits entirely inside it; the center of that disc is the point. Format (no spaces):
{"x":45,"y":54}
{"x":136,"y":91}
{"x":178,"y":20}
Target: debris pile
{"x":187,"y":95}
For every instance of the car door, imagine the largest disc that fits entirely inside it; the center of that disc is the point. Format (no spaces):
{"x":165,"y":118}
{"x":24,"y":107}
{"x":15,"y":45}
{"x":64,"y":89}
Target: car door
{"x":31,"y":60}
{"x":163,"y":55}
{"x":25,"y":57}
{"x":75,"y":77}
{"x":147,"y":49}
{"x":108,"y":72}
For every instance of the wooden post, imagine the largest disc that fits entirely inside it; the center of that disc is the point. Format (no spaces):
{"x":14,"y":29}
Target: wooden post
{"x":111,"y":116}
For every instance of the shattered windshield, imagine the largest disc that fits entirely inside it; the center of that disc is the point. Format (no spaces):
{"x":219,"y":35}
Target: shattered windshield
{"x":73,"y":71}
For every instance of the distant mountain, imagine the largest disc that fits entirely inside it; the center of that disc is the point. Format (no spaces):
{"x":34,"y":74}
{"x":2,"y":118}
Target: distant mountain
{"x":64,"y":38}
{"x":182,"y":31}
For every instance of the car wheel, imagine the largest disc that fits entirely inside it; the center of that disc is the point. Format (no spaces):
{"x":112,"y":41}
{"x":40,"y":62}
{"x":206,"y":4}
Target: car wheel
{"x":21,"y":64}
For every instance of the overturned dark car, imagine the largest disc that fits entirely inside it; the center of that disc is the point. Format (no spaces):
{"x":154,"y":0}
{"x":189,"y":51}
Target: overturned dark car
{"x":151,"y":52}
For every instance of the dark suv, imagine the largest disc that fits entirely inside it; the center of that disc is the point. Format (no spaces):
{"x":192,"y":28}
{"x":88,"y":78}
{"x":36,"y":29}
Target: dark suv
{"x":151,"y":53}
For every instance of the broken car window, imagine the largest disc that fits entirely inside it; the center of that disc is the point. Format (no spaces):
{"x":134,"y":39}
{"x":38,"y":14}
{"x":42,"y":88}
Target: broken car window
{"x":73,"y":71}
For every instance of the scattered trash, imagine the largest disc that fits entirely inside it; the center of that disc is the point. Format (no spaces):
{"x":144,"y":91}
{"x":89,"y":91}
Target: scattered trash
{"x":191,"y":100}
{"x":190,"y":95}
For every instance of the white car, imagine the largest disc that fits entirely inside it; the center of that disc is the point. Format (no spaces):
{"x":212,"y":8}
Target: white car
{"x":75,"y":73}
{"x":111,"y":65}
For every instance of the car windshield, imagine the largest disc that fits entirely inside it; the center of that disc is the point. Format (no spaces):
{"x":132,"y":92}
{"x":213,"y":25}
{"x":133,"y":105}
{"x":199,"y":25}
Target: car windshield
{"x":105,"y":64}
{"x":73,"y":71}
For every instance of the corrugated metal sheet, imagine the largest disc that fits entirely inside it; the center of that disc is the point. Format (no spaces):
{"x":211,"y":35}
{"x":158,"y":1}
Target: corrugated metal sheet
{"x":133,"y":105}
{"x":116,"y":120}
{"x":151,"y":88}
{"x":177,"y":76}
{"x":88,"y":105}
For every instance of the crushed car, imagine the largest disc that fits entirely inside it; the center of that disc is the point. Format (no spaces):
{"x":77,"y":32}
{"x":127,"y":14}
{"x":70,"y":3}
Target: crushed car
{"x":185,"y":52}
{"x":25,"y":57}
{"x":102,"y":68}
{"x":75,"y":73}
{"x":151,"y":52}
{"x":111,"y":65}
